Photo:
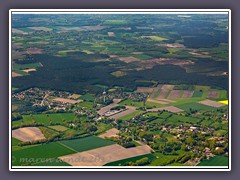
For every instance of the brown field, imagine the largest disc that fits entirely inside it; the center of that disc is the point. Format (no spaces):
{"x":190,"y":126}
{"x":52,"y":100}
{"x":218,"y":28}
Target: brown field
{"x":168,"y":86}
{"x":113,"y":56}
{"x":136,"y":53}
{"x":175,"y":94}
{"x":108,"y":107}
{"x":64,"y":100}
{"x":168,"y":108}
{"x":187,"y":94}
{"x":211,"y":103}
{"x":29,"y":70}
{"x":74,"y":96}
{"x":111,"y":34}
{"x":18,"y":31}
{"x":162,"y":94}
{"x":104,"y":155}
{"x":174,"y":45}
{"x":27,"y":134}
{"x":110,"y":133}
{"x":129,"y":59}
{"x":34,"y":51}
{"x":40,"y":28}
{"x":213,"y":94}
{"x":16,"y":74}
{"x":84,"y":28}
{"x":166,"y":100}
{"x":123,"y":113}
{"x":153,"y":92}
{"x":157,"y":101}
{"x":145,"y":89}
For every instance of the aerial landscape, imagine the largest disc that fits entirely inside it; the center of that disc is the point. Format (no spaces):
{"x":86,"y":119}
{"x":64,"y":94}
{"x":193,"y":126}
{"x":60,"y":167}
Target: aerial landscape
{"x":111,"y":90}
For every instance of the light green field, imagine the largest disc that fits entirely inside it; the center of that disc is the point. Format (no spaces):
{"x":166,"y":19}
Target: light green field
{"x":215,"y":161}
{"x":45,"y":119}
{"x":162,"y":160}
{"x":59,"y":128}
{"x":26,"y":66}
{"x":155,"y":38}
{"x":131,"y":115}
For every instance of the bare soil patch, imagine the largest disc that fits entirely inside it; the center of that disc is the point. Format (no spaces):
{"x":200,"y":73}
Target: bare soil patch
{"x":187,"y":94}
{"x":34,"y":51}
{"x":110,"y":133}
{"x":145,"y":89}
{"x":29,"y":70}
{"x":64,"y":100}
{"x":157,"y":101}
{"x":175,"y":94}
{"x":18,"y":31}
{"x":173,"y":45}
{"x":74,"y":96}
{"x":40,"y":28}
{"x":104,"y":155}
{"x":14,"y":74}
{"x":28,"y":134}
{"x":163,"y":94}
{"x":111,"y":34}
{"x":129,"y":59}
{"x":168,"y":108}
{"x":129,"y":110}
{"x":211,"y":103}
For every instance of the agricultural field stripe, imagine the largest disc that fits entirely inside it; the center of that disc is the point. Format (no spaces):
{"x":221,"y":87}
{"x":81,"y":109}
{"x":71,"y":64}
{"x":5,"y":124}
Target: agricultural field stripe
{"x":68,"y":147}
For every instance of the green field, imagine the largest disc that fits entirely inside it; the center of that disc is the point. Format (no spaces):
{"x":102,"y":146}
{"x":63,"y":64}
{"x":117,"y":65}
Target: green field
{"x":59,"y":128}
{"x":45,"y":119}
{"x":34,"y":154}
{"x":162,"y":160}
{"x":195,"y":106}
{"x":133,"y":159}
{"x":86,"y":143}
{"x":215,"y":161}
{"x":26,"y":66}
{"x":15,"y":141}
{"x":130,"y":102}
{"x":131,"y":115}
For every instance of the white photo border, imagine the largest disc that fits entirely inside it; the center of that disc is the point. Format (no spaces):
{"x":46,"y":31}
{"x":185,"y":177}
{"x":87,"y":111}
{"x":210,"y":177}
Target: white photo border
{"x":118,"y":11}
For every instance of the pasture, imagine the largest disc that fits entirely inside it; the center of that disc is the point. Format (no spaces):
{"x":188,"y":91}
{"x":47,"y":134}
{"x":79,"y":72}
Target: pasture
{"x":86,"y":143}
{"x":215,"y":161}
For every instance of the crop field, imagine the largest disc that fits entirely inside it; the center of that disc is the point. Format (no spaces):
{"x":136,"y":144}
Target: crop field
{"x":168,"y":108}
{"x":110,"y":133}
{"x":162,"y":160}
{"x":45,"y":119}
{"x":64,"y":100}
{"x":124,"y":113}
{"x":35,"y":154}
{"x":184,"y":119}
{"x":133,"y":159}
{"x":211,"y":103}
{"x":104,"y":155}
{"x":27,"y":134}
{"x":27,"y":66}
{"x":195,"y":106}
{"x":86,"y":143}
{"x":59,"y":128}
{"x":215,"y":161}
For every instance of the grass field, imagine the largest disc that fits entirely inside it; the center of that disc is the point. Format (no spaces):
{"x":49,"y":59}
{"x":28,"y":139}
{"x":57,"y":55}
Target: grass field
{"x":34,"y":154}
{"x":15,"y":141}
{"x":59,"y":128}
{"x":197,"y":94}
{"x":45,"y":119}
{"x":133,"y":159}
{"x":155,"y":38}
{"x":87,"y":143}
{"x":131,"y":115}
{"x":162,"y":160}
{"x":215,"y":161}
{"x":130,"y":102}
{"x":195,"y":106}
{"x":26,"y":66}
